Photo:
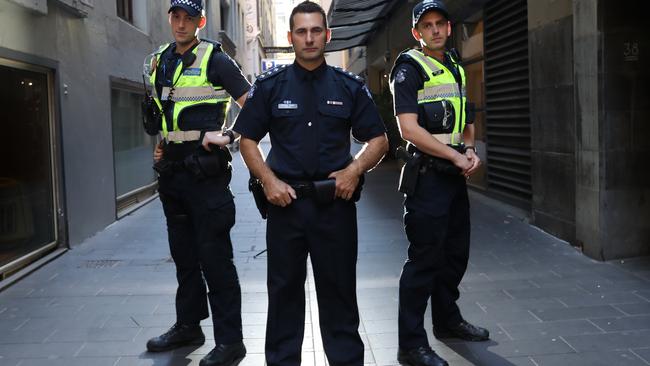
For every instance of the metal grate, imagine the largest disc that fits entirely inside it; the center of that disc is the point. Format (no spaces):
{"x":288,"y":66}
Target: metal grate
{"x":507,"y":100}
{"x":100,"y":263}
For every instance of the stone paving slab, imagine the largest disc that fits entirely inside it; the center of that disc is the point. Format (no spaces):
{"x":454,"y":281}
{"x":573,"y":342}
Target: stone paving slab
{"x":544,"y":302}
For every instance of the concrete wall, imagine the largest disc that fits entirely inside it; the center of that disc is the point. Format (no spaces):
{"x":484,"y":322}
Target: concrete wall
{"x":612,"y":90}
{"x":553,"y":133}
{"x":89,"y":51}
{"x":625,"y":132}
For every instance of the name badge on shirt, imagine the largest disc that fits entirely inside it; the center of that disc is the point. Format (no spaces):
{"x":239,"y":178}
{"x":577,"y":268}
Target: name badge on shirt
{"x":287,"y":104}
{"x":192,"y":72}
{"x":334,"y":102}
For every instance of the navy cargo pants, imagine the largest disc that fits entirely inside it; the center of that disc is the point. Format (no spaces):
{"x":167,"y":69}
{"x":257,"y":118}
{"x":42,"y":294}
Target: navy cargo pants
{"x":200,"y":214}
{"x":437,"y":225}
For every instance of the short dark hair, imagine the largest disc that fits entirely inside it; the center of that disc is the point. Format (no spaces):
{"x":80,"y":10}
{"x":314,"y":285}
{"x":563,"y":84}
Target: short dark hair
{"x":307,"y":7}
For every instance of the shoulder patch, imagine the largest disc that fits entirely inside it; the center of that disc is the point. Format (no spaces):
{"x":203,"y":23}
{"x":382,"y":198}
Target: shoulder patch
{"x":273,"y":72}
{"x":350,"y":75}
{"x":404,"y":57}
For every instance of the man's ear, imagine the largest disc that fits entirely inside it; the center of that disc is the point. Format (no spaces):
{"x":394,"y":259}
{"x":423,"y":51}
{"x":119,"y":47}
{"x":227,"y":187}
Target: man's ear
{"x":416,"y":34}
{"x":289,"y":38}
{"x":448,"y":29}
{"x":328,"y":34}
{"x":202,"y":22}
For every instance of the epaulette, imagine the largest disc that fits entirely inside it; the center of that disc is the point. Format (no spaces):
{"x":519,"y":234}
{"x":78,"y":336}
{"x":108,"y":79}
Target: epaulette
{"x":274,"y":71}
{"x":350,"y":75}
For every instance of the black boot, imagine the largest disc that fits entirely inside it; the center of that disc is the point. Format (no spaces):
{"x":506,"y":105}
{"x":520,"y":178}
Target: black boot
{"x":464,"y":331}
{"x":225,"y":355}
{"x":421,"y":356}
{"x":178,"y":335}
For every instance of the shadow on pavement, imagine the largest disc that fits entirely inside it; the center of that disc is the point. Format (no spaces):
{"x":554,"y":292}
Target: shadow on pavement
{"x":477,"y":353}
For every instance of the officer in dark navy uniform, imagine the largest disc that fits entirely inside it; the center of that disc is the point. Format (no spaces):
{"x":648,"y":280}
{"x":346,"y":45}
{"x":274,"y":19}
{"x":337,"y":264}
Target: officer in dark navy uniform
{"x":192,"y":83}
{"x":431,"y":108}
{"x":311,"y":182}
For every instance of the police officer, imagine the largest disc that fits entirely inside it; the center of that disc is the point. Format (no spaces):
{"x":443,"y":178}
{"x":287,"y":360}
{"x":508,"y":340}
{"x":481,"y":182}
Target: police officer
{"x":431,"y":108}
{"x":311,"y":182}
{"x":192,"y":81}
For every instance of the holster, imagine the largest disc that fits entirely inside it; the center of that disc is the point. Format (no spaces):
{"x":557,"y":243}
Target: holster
{"x":256,"y":188}
{"x":207,"y":164}
{"x":408,"y":179}
{"x":163,"y":167}
{"x":325,"y":191}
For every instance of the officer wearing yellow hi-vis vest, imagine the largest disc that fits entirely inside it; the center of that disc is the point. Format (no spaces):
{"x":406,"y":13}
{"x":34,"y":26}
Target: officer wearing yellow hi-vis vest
{"x":428,"y":85}
{"x":192,"y":81}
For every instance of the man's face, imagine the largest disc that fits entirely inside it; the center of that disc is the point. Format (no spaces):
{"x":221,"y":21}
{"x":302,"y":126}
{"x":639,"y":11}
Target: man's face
{"x":309,"y":36}
{"x":432,"y":31}
{"x":184,"y":27}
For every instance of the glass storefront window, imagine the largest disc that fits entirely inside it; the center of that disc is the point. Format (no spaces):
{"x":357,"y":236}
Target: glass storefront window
{"x":132,"y":149}
{"x":27,"y":208}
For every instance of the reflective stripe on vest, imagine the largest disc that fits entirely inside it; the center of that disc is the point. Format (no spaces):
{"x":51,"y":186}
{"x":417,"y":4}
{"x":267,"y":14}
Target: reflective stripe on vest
{"x":191,"y":88}
{"x":442,"y":86}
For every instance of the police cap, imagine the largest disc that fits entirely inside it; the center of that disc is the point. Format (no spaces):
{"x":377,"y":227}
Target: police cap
{"x":427,"y":5}
{"x":192,"y":7}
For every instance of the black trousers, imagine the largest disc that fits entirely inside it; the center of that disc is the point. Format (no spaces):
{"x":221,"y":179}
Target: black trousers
{"x":329,"y":235}
{"x":437,"y":225}
{"x":200,"y":214}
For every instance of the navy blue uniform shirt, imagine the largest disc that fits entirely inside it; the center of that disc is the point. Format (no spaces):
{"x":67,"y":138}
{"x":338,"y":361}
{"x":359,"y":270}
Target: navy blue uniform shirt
{"x":309,"y":116}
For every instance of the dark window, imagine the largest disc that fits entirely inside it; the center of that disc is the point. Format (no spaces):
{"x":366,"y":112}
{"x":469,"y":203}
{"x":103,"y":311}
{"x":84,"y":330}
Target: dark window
{"x":27,"y":201}
{"x":135,"y":180}
{"x":125,"y":10}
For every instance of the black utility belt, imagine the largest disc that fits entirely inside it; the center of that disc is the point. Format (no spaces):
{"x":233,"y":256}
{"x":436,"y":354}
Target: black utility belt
{"x":201,"y":163}
{"x":322,"y":191}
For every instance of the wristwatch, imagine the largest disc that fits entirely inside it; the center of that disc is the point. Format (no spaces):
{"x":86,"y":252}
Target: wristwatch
{"x":230,"y":134}
{"x":470,"y":147}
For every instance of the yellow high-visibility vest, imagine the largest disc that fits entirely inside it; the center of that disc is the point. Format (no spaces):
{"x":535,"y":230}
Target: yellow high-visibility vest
{"x":443,"y":86}
{"x":191,"y":88}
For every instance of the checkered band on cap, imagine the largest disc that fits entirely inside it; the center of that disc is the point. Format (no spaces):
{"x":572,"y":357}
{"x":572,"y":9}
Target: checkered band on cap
{"x":195,"y":5}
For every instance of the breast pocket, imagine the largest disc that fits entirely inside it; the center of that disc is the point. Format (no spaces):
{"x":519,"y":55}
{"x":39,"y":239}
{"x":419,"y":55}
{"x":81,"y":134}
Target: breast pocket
{"x":286,"y":121}
{"x":335,"y":112}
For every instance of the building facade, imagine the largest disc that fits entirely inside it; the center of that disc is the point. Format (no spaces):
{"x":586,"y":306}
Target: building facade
{"x":77,"y":158}
{"x":559,"y":89}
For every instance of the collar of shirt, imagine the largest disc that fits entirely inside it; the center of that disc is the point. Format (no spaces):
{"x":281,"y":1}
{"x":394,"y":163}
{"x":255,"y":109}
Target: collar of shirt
{"x":173,"y":49}
{"x":305,"y":74}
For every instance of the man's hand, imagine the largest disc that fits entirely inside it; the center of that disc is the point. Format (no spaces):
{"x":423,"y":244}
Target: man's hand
{"x":278,"y":192}
{"x":214,"y":138}
{"x":347,"y":180}
{"x":474,"y":159}
{"x":158,"y":152}
{"x":463,"y":163}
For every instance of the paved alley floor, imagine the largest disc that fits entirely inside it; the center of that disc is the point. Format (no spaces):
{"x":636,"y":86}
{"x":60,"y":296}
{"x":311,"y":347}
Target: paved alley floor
{"x":544,"y":302}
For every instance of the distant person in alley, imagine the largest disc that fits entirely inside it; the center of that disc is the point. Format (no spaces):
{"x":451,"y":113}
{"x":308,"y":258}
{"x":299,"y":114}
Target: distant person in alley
{"x":430,"y":101}
{"x":311,"y":182}
{"x":192,"y":81}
